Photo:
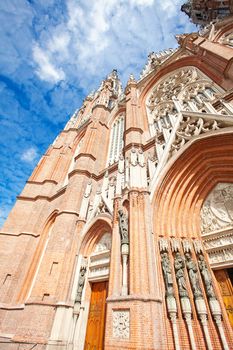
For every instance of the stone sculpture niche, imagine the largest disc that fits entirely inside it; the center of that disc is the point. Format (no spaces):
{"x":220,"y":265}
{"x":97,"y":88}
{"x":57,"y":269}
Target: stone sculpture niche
{"x":81,"y":282}
{"x":167,"y":274}
{"x":193,"y":275}
{"x":124,"y":233}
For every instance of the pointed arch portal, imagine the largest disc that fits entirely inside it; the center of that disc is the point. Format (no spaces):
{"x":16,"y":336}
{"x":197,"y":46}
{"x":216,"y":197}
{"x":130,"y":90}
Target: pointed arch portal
{"x":184,"y":188}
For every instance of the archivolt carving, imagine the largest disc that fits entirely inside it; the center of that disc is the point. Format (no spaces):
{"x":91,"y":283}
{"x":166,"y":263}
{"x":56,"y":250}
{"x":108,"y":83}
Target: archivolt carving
{"x":217,"y":210}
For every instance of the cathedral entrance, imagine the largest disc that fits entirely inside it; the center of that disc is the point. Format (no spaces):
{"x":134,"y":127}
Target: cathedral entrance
{"x":225,"y":282}
{"x":96,"y":319}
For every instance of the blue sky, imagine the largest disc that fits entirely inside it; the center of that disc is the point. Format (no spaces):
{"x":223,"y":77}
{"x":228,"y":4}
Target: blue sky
{"x":53,"y":53}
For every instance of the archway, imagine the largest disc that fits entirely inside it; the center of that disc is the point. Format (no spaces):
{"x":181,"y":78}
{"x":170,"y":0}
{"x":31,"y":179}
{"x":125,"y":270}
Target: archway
{"x":185,"y":184}
{"x":91,"y":286}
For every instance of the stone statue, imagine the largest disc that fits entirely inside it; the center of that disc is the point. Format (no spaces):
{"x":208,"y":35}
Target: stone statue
{"x":81,"y":282}
{"x":193,"y":275}
{"x":167,"y":274}
{"x":179,"y":268}
{"x":123,"y":225}
{"x":206,"y":276}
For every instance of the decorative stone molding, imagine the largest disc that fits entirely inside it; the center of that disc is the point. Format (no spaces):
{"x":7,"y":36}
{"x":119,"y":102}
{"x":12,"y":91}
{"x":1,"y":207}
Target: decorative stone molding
{"x":155,"y":60}
{"x":186,"y":245}
{"x":163,"y":244}
{"x":175,"y":243}
{"x":221,"y":258}
{"x":121,"y":324}
{"x":99,"y":265}
{"x":198,"y":246}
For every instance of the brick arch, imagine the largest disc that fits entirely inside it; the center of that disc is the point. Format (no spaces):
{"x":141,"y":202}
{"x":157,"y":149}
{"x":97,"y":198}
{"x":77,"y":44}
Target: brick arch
{"x":48,"y":226}
{"x":93,"y":234}
{"x":185,"y":185}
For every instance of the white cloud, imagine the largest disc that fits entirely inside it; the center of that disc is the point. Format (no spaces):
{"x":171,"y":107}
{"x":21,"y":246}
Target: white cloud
{"x":29,"y":155}
{"x":93,"y":40}
{"x":45,"y":69}
{"x":142,"y":2}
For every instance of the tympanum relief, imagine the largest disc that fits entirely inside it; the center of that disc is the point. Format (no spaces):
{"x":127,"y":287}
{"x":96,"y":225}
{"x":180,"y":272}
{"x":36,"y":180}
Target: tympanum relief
{"x":217,"y":224}
{"x":217,"y":211}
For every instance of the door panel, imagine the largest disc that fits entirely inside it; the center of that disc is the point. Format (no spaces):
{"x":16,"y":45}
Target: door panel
{"x":226,"y":289}
{"x":96,"y":319}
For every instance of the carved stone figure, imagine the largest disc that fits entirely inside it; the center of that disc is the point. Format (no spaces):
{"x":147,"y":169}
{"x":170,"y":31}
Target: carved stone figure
{"x":193,"y":275}
{"x":206,"y":277}
{"x":179,"y":268}
{"x":123,"y":225}
{"x":167,"y":274}
{"x":81,"y":283}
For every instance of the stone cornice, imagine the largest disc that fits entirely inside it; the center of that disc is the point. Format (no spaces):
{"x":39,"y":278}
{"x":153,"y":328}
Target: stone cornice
{"x":20,"y":234}
{"x":134,"y":297}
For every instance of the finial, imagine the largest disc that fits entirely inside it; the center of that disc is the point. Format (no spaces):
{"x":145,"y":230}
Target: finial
{"x":131,"y":79}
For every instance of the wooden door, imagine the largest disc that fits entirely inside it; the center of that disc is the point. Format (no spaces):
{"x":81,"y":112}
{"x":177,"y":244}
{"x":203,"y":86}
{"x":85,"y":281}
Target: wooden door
{"x":96,"y":319}
{"x":226,"y":289}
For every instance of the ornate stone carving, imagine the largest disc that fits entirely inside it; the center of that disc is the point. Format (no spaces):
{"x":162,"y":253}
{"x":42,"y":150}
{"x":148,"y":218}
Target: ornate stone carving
{"x":123,"y":226}
{"x":104,"y":243}
{"x":193,"y":275}
{"x":221,"y":256}
{"x":198,"y":246}
{"x":207,"y":278}
{"x":179,"y":268}
{"x":121,"y":324}
{"x":175,"y":243}
{"x":190,"y":127}
{"x":217,"y":210}
{"x":163,"y":245}
{"x":167,"y":274}
{"x":155,"y":60}
{"x":219,"y":241}
{"x":186,"y":245}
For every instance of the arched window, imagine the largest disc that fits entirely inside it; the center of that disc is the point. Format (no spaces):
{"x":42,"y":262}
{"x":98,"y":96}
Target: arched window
{"x":116,"y":140}
{"x":189,"y":86}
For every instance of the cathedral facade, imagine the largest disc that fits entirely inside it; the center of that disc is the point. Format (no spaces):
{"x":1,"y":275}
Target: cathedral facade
{"x":123,"y":235}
